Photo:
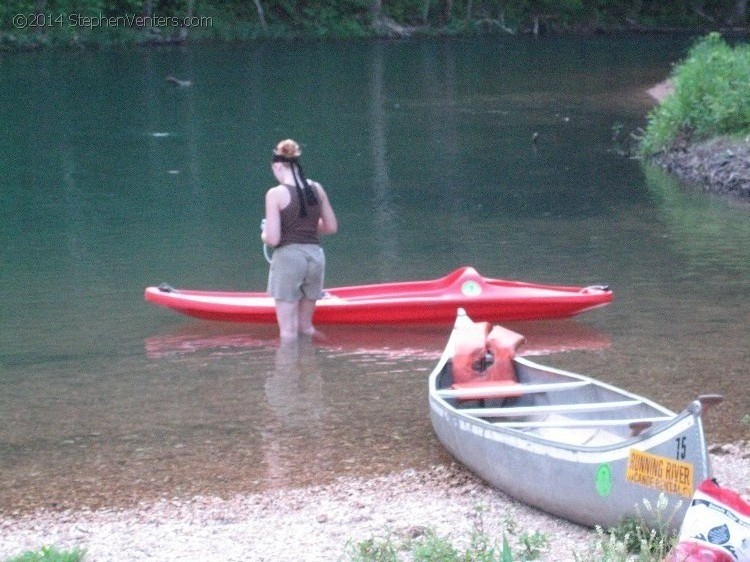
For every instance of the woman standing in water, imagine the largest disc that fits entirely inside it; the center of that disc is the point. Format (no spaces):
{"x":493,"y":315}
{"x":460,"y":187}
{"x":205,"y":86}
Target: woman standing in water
{"x":297,"y":213}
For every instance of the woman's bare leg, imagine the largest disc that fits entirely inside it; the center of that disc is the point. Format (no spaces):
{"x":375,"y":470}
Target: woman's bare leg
{"x":305,"y":316}
{"x":287,"y":315}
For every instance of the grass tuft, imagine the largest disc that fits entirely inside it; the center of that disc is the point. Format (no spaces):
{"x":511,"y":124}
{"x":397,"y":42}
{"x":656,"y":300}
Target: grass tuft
{"x":50,"y":554}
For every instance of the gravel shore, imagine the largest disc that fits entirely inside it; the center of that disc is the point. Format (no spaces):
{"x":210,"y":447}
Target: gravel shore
{"x":318,"y":523}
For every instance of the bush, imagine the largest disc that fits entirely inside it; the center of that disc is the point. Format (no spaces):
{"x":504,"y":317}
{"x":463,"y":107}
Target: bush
{"x":710,"y":97}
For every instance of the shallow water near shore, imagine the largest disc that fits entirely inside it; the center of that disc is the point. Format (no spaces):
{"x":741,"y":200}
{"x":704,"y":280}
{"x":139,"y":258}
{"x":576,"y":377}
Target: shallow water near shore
{"x":116,"y":180}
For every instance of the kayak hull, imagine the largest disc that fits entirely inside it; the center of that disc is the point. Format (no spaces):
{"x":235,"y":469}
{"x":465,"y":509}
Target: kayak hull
{"x":410,"y":302}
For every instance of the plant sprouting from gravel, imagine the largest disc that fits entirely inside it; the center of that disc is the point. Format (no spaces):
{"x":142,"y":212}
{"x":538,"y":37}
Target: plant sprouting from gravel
{"x":633,"y":540}
{"x":50,"y":554}
{"x":372,"y":550}
{"x":431,"y":547}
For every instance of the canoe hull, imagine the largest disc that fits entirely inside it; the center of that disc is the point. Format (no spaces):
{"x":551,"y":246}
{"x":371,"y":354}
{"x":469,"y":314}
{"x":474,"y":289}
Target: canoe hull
{"x":590,"y":474}
{"x":566,"y":482}
{"x":413,"y":302}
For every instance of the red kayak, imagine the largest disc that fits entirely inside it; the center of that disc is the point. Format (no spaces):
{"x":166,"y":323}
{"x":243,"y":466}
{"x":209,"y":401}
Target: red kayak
{"x":414,"y":302}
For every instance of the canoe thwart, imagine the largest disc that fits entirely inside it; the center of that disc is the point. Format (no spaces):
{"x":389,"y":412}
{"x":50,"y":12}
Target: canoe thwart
{"x":631,"y":422}
{"x":638,"y":427}
{"x":549,"y":409}
{"x":502,"y":391}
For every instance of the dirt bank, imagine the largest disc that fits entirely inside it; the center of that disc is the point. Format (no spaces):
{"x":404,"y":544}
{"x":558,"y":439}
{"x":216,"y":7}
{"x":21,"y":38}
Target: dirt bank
{"x":720,"y":165}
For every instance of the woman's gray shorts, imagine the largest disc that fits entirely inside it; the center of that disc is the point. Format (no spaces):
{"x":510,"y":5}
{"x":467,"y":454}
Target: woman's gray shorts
{"x":297,"y":272}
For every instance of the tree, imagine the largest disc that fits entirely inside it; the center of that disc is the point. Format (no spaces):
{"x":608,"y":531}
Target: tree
{"x":448,"y":10}
{"x":740,"y":11}
{"x":189,"y":14}
{"x":261,"y":15}
{"x":39,"y":7}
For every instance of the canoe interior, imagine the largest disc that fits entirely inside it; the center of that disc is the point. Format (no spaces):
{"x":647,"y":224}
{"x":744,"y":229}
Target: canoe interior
{"x":580,"y":412}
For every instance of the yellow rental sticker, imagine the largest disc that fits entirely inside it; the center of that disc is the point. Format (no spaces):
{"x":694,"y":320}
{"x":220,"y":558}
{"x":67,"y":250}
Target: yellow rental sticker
{"x":665,"y":474}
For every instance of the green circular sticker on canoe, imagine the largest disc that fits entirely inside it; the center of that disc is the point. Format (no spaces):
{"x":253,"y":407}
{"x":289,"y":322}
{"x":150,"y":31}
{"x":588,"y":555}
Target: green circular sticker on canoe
{"x":604,"y":480}
{"x":471,"y":288}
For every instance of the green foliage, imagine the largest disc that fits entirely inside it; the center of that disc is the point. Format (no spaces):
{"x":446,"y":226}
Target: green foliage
{"x":710,"y":97}
{"x":656,"y":538}
{"x":507,"y":553}
{"x":50,"y":554}
{"x":430,"y":547}
{"x":533,"y":545}
{"x":239,"y":19}
{"x":330,"y":21}
{"x":635,"y":540}
{"x":628,"y":533}
{"x":605,"y":548}
{"x":372,"y":550}
{"x":433,"y":548}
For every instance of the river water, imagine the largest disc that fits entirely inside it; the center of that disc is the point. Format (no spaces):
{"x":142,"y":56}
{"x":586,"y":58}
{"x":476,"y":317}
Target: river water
{"x":115,"y":179}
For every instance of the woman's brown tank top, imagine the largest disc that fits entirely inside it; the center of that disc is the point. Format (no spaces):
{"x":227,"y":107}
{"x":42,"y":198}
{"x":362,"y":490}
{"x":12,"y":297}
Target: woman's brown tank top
{"x":294,"y":228}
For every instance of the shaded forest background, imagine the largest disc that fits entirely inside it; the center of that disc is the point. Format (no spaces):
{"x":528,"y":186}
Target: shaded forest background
{"x":251,"y":19}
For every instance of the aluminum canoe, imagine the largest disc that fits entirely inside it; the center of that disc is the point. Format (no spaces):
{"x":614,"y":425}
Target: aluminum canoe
{"x":571,"y":445}
{"x":410,"y":302}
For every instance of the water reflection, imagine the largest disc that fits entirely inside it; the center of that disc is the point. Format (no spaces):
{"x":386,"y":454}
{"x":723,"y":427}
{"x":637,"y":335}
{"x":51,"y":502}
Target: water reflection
{"x":395,"y":342}
{"x":384,"y":220}
{"x":294,"y":394}
{"x":710,"y":234}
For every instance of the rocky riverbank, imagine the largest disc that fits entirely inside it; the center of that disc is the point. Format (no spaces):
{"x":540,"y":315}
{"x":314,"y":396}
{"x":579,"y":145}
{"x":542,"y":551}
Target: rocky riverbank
{"x":319,"y":523}
{"x":720,"y":165}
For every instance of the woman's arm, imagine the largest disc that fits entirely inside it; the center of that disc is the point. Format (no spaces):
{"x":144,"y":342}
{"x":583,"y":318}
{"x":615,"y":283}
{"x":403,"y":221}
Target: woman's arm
{"x":271,"y":234}
{"x":328,"y":224}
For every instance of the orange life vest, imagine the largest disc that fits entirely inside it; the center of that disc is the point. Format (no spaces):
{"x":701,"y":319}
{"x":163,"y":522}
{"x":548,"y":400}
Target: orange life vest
{"x":471,"y":348}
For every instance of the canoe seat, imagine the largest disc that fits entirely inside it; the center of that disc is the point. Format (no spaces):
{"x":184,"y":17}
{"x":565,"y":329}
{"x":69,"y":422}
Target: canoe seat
{"x":483,"y":358}
{"x":484,"y":389}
